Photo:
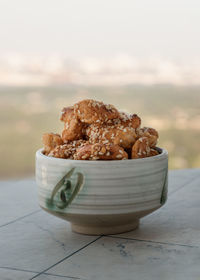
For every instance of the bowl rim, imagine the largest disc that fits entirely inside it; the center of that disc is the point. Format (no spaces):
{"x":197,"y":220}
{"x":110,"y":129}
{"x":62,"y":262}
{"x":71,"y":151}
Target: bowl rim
{"x":163,"y":154}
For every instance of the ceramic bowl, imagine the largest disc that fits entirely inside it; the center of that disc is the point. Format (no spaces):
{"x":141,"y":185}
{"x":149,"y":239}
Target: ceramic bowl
{"x":102,"y":197}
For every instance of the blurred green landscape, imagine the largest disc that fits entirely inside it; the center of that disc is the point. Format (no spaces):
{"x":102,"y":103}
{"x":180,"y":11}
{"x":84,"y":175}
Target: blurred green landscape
{"x":27,"y":112}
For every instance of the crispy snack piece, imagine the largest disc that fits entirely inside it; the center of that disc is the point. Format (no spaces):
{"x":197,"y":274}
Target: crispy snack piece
{"x":67,"y":150}
{"x":153,"y":152}
{"x":150,"y":133}
{"x":127,"y":120}
{"x":141,"y":148}
{"x":50,"y":141}
{"x":90,"y":111}
{"x":121,"y":135}
{"x":100,"y":152}
{"x":110,"y":134}
{"x":73,"y":127}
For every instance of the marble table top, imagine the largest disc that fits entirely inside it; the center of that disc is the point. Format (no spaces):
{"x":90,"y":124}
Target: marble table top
{"x":36,"y":245}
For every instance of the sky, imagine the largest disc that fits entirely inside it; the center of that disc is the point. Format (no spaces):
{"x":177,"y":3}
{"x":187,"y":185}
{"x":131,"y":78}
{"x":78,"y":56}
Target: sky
{"x":103,"y":28}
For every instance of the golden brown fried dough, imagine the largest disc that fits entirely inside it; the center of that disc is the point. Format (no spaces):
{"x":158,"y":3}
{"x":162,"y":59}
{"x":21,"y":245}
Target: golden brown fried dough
{"x":153,"y":152}
{"x":73,"y":127}
{"x":141,"y":148}
{"x":90,"y":111}
{"x":100,"y":152}
{"x":50,"y":141}
{"x":67,"y":150}
{"x":115,"y":134}
{"x":150,"y":133}
{"x":127,"y":120}
{"x":110,"y":134}
{"x":61,"y":151}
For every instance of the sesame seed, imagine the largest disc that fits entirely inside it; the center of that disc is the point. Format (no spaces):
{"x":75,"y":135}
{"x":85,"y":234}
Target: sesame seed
{"x":118,"y":156}
{"x":148,"y":149}
{"x":85,"y":156}
{"x":94,"y":158}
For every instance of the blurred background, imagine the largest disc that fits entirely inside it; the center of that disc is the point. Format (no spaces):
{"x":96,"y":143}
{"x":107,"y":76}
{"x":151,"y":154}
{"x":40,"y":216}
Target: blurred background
{"x":142,"y":56}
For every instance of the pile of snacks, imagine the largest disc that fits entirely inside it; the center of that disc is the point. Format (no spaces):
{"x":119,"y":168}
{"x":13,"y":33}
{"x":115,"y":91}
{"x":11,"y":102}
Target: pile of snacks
{"x":96,"y":131}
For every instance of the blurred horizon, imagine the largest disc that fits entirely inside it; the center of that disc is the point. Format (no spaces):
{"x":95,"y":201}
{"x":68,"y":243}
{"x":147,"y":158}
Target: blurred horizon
{"x":36,"y":70}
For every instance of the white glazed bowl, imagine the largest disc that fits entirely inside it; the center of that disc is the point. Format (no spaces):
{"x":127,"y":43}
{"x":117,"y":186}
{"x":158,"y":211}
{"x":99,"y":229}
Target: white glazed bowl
{"x":103,"y":197}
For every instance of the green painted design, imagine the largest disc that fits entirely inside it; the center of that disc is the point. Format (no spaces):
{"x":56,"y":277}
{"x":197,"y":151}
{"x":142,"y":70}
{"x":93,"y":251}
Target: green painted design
{"x":164,"y":190}
{"x":64,"y":192}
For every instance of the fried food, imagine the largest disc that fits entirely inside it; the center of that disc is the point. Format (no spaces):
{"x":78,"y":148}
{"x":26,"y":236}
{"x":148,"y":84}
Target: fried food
{"x":100,"y":151}
{"x":73,"y":128}
{"x":96,"y":131}
{"x":153,"y":152}
{"x":150,"y":133}
{"x":90,"y":111}
{"x":142,"y":149}
{"x":50,"y":141}
{"x":115,"y":134}
{"x":127,"y":120}
{"x":67,"y":150}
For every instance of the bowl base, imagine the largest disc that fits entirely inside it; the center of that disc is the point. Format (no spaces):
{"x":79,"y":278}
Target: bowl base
{"x":99,"y":230}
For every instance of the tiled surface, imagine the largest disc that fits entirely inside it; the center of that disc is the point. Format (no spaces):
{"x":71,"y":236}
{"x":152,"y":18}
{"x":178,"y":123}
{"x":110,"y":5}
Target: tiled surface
{"x":115,"y":258}
{"x":36,"y":245}
{"x":49,"y":277}
{"x":38,"y":241}
{"x":10,"y":274}
{"x":55,"y":277}
{"x":180,"y":178}
{"x":18,"y":198}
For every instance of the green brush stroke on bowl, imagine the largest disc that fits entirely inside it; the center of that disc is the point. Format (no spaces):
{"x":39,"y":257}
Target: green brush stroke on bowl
{"x":64,"y":193}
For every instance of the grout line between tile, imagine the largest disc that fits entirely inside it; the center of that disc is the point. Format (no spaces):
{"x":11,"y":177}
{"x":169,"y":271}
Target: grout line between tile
{"x":44,"y":271}
{"x":36,"y":272}
{"x":156,"y":242}
{"x":17,"y":269}
{"x":62,"y":276}
{"x":20,"y":218}
{"x":184,"y":185}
